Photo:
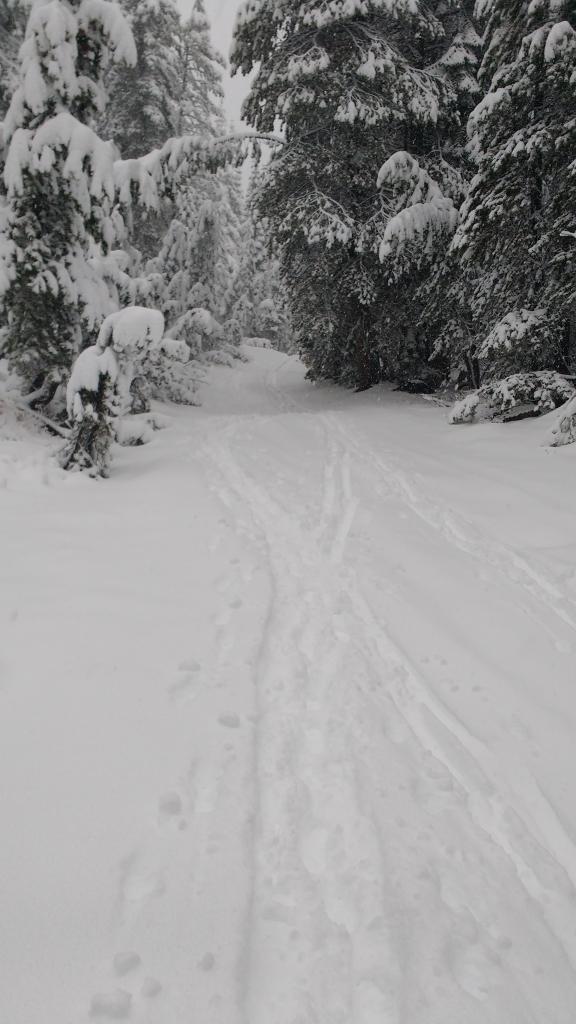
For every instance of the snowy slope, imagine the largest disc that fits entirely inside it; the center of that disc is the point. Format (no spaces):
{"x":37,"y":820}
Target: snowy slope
{"x":287,"y":714}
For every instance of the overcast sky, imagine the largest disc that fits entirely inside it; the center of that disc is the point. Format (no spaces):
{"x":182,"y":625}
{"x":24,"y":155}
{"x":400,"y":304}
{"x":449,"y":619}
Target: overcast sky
{"x":222,"y":14}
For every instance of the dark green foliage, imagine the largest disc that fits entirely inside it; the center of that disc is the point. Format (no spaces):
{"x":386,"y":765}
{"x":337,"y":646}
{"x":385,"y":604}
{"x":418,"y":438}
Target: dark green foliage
{"x":58,"y":218}
{"x":93,"y":429}
{"x":12,"y":24}
{"x":42,"y":333}
{"x":513,"y":244}
{"x":352,"y":87}
{"x":142,"y":109}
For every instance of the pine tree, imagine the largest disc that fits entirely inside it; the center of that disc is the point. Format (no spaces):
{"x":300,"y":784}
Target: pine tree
{"x":260,"y":303}
{"x":142,"y":111}
{"x":60,"y":213}
{"x":353,"y":85}
{"x":197,"y":259}
{"x":514,"y":240}
{"x":143,"y":108}
{"x":12,"y":24}
{"x":199,"y":75}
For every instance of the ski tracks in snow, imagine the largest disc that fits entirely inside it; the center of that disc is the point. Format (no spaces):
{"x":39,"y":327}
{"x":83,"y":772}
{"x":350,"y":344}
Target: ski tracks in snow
{"x":399,"y":875}
{"x":338,"y":847}
{"x":463,"y":535}
{"x":318,"y":948}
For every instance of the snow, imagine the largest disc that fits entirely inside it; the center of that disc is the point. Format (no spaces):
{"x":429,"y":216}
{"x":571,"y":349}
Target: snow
{"x":288,"y":718}
{"x":90,"y":365}
{"x":560,"y":35}
{"x":38,"y":151}
{"x":427,"y":212}
{"x":564,"y":430}
{"x":131,"y":329}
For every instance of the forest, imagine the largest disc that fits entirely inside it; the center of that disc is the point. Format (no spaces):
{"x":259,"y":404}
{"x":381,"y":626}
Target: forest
{"x":409,"y":215}
{"x":287,"y":546}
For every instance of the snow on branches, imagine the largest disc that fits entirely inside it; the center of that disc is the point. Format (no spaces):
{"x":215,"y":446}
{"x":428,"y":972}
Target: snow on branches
{"x":67,"y":192}
{"x":424,"y":214}
{"x":59,"y":180}
{"x":130,"y":342}
{"x":516,"y":397}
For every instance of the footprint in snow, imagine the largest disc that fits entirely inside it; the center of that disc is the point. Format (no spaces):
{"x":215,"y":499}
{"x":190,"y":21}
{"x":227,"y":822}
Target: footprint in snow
{"x":111,"y":1005}
{"x":137,"y":882}
{"x":151,"y":988}
{"x":144,"y":886}
{"x":230,"y":721}
{"x":125,"y":963}
{"x":171,"y":810}
{"x":187,"y":679}
{"x":189,"y":665}
{"x":119,"y":1003}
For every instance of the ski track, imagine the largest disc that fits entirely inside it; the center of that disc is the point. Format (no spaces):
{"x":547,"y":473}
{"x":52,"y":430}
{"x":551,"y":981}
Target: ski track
{"x":320,"y":861}
{"x":463,"y":535}
{"x":454,"y":527}
{"x":333,"y":844}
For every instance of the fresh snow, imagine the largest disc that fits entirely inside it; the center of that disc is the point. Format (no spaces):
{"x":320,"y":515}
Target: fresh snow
{"x":288,"y":719}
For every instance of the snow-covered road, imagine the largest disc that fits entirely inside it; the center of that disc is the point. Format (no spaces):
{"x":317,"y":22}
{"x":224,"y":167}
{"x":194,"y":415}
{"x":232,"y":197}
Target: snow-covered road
{"x":288,"y":719}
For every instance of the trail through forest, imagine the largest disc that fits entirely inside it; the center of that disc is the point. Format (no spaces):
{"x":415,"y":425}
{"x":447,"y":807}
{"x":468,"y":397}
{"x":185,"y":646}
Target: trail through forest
{"x":287,"y":718}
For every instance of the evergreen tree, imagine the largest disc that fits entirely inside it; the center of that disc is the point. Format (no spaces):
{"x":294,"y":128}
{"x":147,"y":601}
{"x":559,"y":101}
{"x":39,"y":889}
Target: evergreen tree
{"x":143,"y":108}
{"x":199,"y":257}
{"x":60,"y":213}
{"x":142,"y":111}
{"x":260,"y":304}
{"x":12,"y":24}
{"x":514,"y":239}
{"x":197,"y":260}
{"x":199,"y":75}
{"x":353,"y":85}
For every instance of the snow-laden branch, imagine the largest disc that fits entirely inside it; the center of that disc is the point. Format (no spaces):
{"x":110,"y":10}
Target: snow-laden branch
{"x":423,"y":214}
{"x":153,"y":175}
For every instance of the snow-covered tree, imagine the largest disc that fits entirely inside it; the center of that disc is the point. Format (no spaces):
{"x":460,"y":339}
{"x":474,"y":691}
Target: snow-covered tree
{"x":60,"y":216}
{"x":514,"y":239}
{"x":92,"y":405}
{"x":353,"y":84}
{"x":129,"y":342}
{"x":197,"y":261}
{"x":143,"y":108}
{"x":199,"y":76}
{"x":193,"y":256}
{"x":143,"y":98}
{"x":260,"y":303}
{"x":12,"y":22}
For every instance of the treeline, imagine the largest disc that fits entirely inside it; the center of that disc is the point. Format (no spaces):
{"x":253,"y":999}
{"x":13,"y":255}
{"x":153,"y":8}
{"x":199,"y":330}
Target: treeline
{"x":98,"y":209}
{"x":423,"y":203}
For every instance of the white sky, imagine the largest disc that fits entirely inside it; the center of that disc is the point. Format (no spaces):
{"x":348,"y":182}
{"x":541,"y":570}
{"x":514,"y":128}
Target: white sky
{"x":222,"y":14}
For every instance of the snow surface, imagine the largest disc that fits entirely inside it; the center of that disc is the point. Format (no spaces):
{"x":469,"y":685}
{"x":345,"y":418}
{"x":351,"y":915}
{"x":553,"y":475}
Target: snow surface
{"x":288,"y":719}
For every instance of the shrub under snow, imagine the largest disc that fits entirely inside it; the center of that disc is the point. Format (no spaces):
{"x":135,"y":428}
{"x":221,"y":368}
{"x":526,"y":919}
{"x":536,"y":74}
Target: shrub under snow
{"x":130,"y":345}
{"x":564,"y":430}
{"x":515,"y":397}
